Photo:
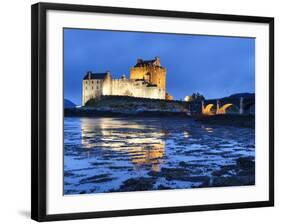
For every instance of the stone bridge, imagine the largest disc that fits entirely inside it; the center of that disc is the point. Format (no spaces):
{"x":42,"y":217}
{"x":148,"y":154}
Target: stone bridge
{"x":235,"y":105}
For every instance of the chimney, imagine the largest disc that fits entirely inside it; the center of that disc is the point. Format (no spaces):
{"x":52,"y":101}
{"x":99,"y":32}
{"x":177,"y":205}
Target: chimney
{"x":157,"y":61}
{"x":108,"y":75}
{"x":89,"y":73}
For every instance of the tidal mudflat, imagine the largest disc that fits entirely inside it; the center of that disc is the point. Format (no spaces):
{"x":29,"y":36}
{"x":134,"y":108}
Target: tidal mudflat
{"x":136,"y":154}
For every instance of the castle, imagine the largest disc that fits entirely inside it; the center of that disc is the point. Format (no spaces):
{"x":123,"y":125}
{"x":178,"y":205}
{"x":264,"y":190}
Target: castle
{"x":147,"y":80}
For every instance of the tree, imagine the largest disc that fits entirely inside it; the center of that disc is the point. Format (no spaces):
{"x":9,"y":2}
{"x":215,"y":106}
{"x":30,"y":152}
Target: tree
{"x":197,"y":97}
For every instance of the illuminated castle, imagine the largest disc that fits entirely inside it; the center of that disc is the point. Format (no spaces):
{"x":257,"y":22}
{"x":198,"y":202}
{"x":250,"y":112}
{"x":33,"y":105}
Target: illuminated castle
{"x":147,"y":80}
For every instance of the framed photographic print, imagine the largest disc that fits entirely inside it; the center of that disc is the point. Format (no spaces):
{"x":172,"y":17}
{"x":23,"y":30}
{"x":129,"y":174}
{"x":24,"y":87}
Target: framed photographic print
{"x":139,"y":111}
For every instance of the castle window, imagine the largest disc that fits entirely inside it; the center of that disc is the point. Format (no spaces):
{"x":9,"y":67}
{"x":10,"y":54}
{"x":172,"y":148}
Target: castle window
{"x":92,"y":87}
{"x":92,"y":82}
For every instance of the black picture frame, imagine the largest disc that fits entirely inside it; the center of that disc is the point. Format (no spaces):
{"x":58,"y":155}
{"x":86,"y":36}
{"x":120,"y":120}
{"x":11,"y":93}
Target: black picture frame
{"x":38,"y":110}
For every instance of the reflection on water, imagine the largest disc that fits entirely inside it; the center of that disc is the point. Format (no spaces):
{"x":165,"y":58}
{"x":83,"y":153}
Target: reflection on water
{"x":141,"y":149}
{"x":119,"y":154}
{"x":209,"y":129}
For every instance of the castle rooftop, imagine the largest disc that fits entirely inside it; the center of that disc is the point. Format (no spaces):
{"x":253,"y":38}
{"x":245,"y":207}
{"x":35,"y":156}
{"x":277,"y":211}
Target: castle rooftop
{"x":153,"y":62}
{"x":91,"y":75}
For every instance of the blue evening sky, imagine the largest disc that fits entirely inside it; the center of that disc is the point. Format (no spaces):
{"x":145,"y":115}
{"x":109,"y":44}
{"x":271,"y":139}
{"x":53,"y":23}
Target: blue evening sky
{"x":211,"y":65}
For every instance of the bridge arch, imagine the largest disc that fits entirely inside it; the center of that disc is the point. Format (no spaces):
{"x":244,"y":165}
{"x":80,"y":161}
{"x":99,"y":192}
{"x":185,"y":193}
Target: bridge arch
{"x":223,"y":109}
{"x":236,"y":105}
{"x":208,"y":109}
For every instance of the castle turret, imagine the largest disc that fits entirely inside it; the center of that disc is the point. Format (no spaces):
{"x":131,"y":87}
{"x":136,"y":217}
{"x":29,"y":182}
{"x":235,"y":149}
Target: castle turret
{"x":106,"y":87}
{"x":108,"y":75}
{"x":123,"y":77}
{"x":139,"y":61}
{"x":151,"y":71}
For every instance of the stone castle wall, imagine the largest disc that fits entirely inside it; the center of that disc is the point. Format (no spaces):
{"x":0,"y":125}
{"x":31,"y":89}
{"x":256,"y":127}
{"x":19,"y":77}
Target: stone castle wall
{"x":153,"y":75}
{"x":125,"y":87}
{"x":92,"y":88}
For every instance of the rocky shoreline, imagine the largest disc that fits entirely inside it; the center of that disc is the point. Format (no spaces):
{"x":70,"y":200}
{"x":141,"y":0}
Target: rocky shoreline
{"x":242,"y":173}
{"x":89,"y":112}
{"x":245,"y":121}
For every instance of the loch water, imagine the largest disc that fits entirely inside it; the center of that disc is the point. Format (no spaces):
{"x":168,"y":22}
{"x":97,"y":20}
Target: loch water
{"x":135,"y":154}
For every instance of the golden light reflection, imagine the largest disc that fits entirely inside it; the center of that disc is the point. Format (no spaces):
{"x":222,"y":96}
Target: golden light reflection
{"x":152,"y":156}
{"x":142,"y":144}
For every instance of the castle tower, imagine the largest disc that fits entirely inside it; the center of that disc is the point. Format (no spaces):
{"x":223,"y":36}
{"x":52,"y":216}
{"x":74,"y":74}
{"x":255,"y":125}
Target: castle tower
{"x":151,"y":71}
{"x":92,"y":85}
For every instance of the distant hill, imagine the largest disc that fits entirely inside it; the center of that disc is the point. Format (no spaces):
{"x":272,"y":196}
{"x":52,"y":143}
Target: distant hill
{"x":68,"y":104}
{"x":245,"y":95}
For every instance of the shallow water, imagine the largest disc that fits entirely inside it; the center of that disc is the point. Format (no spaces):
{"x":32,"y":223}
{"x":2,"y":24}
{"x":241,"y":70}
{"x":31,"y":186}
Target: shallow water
{"x":131,"y":154}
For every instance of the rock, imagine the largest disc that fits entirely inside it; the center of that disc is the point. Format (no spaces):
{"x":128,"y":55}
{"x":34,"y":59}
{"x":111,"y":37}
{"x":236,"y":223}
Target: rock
{"x":178,"y":174}
{"x":138,"y":184}
{"x":171,"y":173}
{"x":247,"y":172}
{"x":68,"y":174}
{"x":225,"y":169}
{"x":233,"y":181}
{"x":162,"y":187}
{"x":220,"y":172}
{"x":204,"y":179}
{"x":245,"y":162}
{"x":229,"y":167}
{"x":183,"y":164}
{"x":66,"y":183}
{"x":100,"y":163}
{"x":96,"y":179}
{"x":229,"y":120}
{"x":120,"y":168}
